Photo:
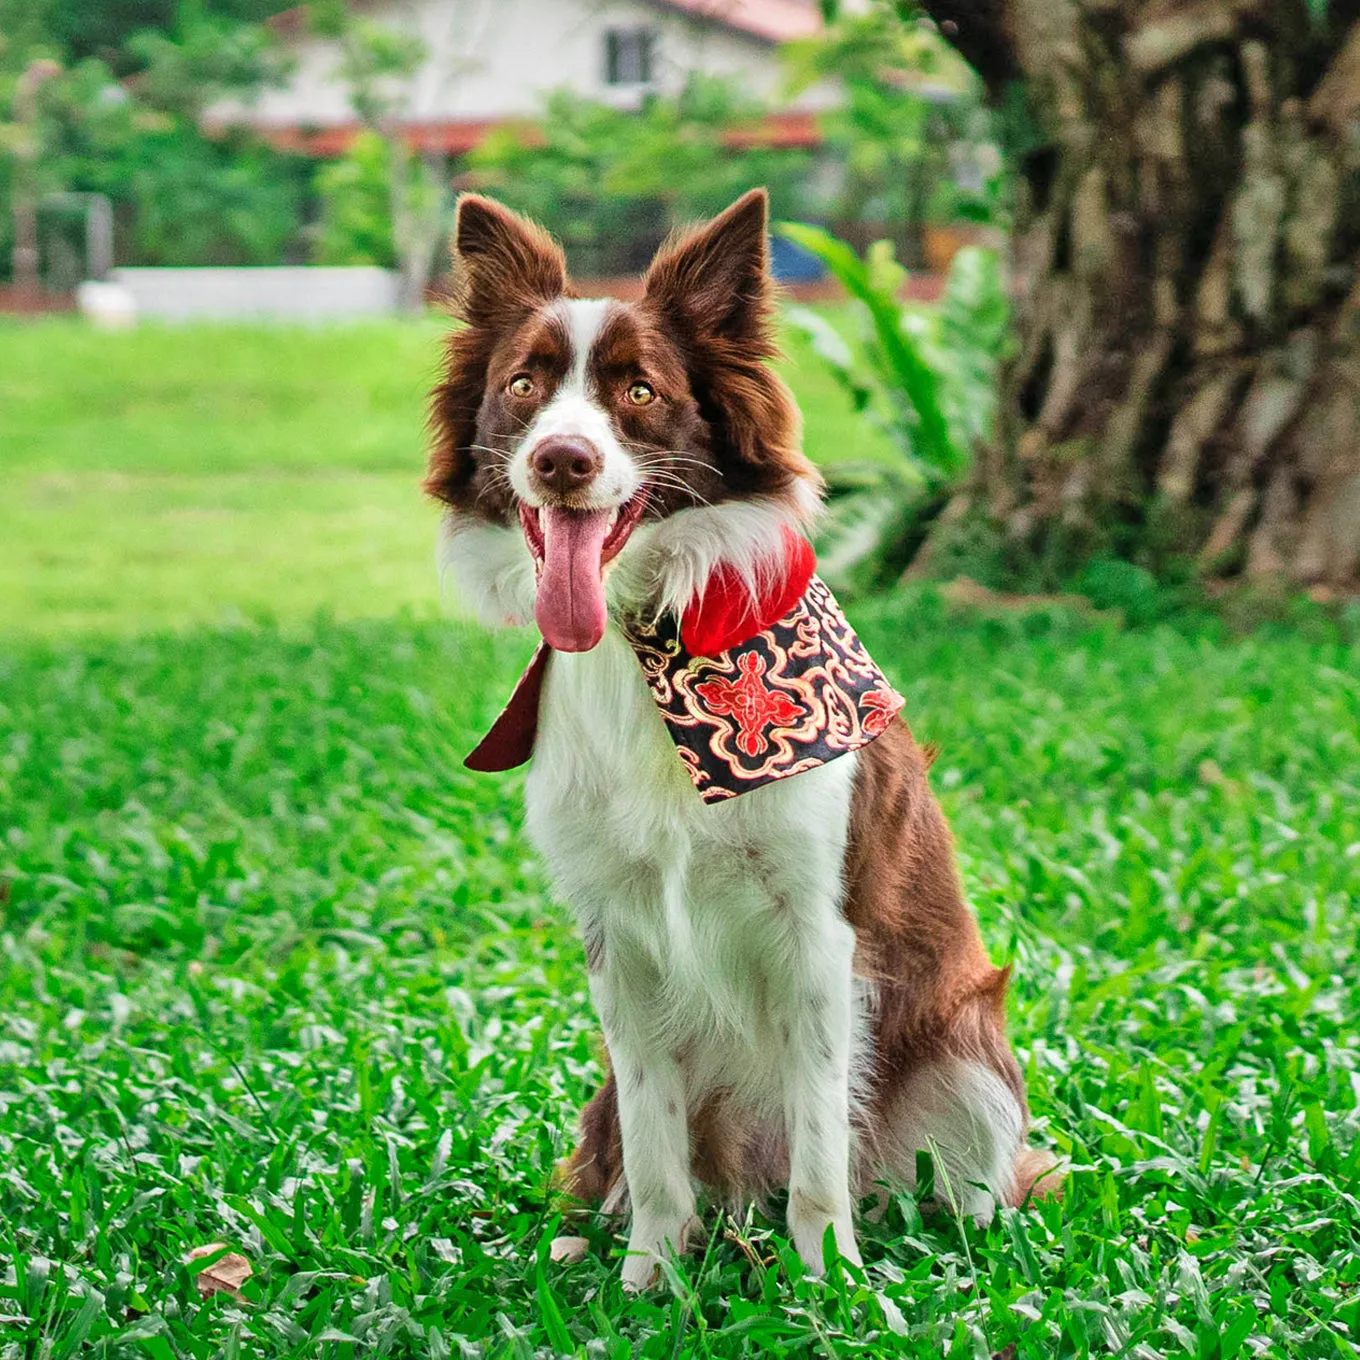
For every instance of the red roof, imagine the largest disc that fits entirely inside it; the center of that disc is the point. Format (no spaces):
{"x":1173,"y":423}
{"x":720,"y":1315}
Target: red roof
{"x":787,"y":130}
{"x":453,"y":139}
{"x":792,"y":129}
{"x":776,"y":21}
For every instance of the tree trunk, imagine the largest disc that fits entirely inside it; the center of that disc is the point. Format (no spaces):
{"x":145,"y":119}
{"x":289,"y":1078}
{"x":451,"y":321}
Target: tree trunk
{"x":422,"y":208}
{"x":1187,"y":279}
{"x":26,"y":149}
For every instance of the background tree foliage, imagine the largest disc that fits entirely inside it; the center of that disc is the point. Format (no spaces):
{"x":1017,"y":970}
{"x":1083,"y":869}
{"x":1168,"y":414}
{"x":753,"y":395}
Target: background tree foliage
{"x":910,"y":111}
{"x":611,"y":182}
{"x":180,"y":196}
{"x":102,"y":28}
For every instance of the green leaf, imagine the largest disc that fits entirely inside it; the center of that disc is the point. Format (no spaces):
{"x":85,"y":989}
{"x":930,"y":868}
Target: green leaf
{"x":1015,"y":1230}
{"x":903,"y":363}
{"x":852,"y":534}
{"x":74,"y":1337}
{"x":549,"y":1311}
{"x":829,"y":345}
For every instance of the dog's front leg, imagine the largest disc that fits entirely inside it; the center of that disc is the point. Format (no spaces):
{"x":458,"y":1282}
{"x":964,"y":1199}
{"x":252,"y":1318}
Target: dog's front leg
{"x":815,"y":1025}
{"x":653,"y":1123}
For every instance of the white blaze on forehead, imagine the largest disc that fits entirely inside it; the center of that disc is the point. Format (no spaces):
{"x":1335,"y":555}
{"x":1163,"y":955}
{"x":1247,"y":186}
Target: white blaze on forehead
{"x":584,"y":319}
{"x":576,"y":410}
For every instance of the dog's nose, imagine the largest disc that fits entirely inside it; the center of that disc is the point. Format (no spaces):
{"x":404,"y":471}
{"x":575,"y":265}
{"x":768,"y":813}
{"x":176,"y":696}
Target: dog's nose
{"x":563,"y":463}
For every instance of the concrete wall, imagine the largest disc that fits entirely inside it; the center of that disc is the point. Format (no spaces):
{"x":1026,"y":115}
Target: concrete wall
{"x":290,"y":293}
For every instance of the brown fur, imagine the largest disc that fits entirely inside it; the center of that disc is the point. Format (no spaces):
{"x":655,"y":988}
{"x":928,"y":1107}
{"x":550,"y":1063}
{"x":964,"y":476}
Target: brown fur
{"x":938,"y":994}
{"x":504,"y":269}
{"x":710,"y":290}
{"x":735,"y":1160}
{"x":594,"y":1168}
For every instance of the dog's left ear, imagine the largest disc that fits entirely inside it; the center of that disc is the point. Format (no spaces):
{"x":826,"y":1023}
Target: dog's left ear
{"x":715,"y":281}
{"x":711,"y":289}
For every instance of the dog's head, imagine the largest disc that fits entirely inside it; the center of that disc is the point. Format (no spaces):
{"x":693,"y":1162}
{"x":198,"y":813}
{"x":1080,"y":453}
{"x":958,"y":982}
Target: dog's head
{"x":570,"y":432}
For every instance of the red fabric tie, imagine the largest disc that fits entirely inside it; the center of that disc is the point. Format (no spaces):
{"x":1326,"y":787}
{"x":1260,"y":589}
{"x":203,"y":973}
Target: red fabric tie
{"x":724,"y":617}
{"x":510,"y":742}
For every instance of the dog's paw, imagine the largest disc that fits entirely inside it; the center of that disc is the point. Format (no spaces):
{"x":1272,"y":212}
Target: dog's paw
{"x":808,"y":1222}
{"x":647,"y":1244}
{"x":640,"y":1271}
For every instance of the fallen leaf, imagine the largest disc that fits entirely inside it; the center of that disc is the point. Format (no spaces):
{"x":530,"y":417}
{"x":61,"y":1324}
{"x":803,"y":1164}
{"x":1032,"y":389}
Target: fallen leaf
{"x":1211,"y":774}
{"x":569,"y":1250}
{"x":224,"y":1276}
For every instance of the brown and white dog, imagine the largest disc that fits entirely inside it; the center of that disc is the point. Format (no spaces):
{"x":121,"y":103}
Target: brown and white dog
{"x":792,"y":989}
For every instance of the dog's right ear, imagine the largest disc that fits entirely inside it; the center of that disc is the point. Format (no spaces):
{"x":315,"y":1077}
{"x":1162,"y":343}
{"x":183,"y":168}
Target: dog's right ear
{"x":503,"y":264}
{"x":504,"y":267}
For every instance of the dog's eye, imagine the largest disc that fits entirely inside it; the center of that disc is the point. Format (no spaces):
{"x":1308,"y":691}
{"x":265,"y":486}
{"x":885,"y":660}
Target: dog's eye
{"x":640,"y":394}
{"x":522,"y":386}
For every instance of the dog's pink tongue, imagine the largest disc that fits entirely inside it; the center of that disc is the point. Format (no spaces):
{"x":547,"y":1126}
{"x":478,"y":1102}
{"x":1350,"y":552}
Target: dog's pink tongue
{"x":570,"y":607}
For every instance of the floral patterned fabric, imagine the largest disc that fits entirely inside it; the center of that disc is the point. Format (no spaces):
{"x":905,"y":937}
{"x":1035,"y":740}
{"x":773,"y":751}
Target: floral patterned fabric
{"x":794,"y":696}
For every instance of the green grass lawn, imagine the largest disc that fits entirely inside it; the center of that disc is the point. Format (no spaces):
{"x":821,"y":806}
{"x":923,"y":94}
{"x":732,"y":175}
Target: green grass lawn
{"x":275,"y":971}
{"x":167,"y":476}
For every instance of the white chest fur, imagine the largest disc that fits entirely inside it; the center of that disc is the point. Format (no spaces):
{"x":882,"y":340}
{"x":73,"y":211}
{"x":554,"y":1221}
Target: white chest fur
{"x":701,"y":910}
{"x":721,"y":961}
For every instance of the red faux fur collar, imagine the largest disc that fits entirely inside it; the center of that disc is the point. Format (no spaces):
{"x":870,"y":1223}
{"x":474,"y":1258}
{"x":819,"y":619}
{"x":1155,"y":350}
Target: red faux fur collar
{"x":726,"y":614}
{"x":750,"y":690}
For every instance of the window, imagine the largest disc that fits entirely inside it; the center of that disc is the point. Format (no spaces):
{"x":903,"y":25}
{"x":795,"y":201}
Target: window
{"x":628,"y":56}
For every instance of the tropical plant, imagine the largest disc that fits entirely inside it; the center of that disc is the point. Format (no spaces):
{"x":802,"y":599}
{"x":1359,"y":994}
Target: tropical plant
{"x":926,"y":377}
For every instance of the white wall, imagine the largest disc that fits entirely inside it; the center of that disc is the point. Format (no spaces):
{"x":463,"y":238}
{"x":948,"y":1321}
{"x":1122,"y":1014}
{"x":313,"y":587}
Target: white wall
{"x":493,"y":59}
{"x":294,"y":293}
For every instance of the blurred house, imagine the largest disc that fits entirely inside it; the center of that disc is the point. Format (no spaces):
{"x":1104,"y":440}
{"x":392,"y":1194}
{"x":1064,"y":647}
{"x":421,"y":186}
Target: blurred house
{"x":489,"y":61}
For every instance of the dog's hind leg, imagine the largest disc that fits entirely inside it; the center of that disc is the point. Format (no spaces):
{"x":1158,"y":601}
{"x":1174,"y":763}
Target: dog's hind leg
{"x":948,"y":1085}
{"x":594,"y":1170}
{"x":961,"y":1112}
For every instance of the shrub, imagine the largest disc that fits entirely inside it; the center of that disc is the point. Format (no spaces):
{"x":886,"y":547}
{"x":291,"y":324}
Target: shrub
{"x":356,"y":208}
{"x":609,"y":183}
{"x":925,"y":376}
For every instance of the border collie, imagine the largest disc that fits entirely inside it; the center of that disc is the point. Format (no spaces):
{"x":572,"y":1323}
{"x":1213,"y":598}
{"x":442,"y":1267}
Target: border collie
{"x":792,"y":989}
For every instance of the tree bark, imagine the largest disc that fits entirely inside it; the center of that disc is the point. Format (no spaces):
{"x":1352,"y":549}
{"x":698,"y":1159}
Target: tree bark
{"x":1187,"y":280}
{"x":421,"y":205}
